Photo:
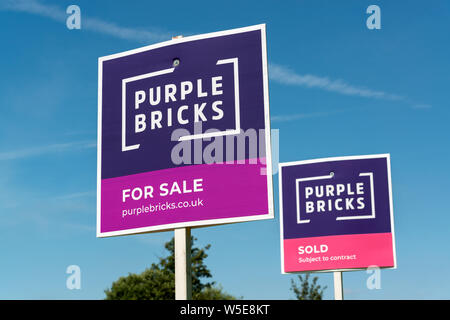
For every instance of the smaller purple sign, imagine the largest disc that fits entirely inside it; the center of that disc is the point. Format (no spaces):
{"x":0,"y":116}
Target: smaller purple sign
{"x":336,"y":214}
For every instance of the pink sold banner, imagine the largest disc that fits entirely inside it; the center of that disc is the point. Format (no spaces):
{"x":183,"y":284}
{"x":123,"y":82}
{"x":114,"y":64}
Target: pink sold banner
{"x":184,"y":134}
{"x":336,"y":214}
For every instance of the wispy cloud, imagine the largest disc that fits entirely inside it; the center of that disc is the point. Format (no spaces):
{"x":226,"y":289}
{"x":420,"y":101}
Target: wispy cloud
{"x":87,"y":23}
{"x":278,"y":73}
{"x":76,"y":195}
{"x":111,"y":29}
{"x":421,"y":106}
{"x":287,"y":76}
{"x":48,"y":149}
{"x":38,"y":208}
{"x":298,"y":116}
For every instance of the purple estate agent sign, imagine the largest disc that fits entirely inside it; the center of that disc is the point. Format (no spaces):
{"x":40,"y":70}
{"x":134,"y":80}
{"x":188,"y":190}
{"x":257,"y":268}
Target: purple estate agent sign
{"x":170,"y":135}
{"x":336,"y":214}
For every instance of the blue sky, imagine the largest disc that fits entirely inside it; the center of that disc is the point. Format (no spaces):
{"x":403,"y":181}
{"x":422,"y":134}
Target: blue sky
{"x":336,"y":89}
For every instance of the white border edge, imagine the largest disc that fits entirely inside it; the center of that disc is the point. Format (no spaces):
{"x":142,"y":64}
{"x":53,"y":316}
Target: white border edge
{"x":184,"y":39}
{"x":99,"y":144}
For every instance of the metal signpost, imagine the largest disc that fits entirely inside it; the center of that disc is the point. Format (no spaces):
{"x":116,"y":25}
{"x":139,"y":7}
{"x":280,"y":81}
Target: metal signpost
{"x":184,"y":138}
{"x":336,"y":215}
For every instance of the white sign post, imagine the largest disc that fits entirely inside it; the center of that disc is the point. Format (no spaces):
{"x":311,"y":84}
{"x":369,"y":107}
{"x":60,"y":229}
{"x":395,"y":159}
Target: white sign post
{"x":338,"y":286}
{"x":182,"y":247}
{"x":183,"y":273}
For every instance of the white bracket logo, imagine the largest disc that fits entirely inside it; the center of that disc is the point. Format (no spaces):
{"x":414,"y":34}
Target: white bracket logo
{"x":236,"y":130}
{"x":372,"y":198}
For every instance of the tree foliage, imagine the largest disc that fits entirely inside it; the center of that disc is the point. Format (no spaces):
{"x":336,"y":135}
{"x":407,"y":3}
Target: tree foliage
{"x":307,"y":290}
{"x":158,"y":281}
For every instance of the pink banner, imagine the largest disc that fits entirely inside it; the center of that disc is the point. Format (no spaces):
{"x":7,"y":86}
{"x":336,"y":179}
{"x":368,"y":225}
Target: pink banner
{"x":338,"y":252}
{"x":179,"y":195}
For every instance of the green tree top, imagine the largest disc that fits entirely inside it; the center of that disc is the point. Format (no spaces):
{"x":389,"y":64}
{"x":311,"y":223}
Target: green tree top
{"x":307,"y":290}
{"x":158,"y":281}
